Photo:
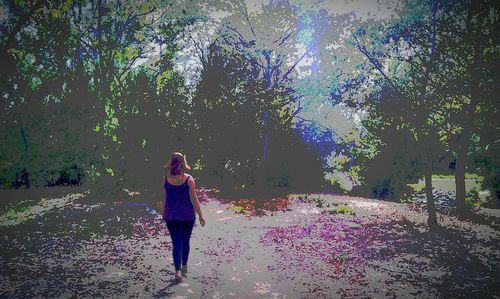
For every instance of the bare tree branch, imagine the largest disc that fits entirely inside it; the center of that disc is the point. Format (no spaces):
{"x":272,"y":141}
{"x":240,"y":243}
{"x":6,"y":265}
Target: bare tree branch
{"x":322,"y":126}
{"x":245,"y":12}
{"x":285,"y":76}
{"x":284,"y":38}
{"x":378,"y":66}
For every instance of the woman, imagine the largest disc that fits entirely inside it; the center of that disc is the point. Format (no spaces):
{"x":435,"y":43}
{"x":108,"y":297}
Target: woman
{"x":180,"y":203}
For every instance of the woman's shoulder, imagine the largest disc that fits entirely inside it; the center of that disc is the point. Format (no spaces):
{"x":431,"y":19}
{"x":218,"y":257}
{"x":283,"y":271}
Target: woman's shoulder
{"x":186,"y":177}
{"x":189,"y":178}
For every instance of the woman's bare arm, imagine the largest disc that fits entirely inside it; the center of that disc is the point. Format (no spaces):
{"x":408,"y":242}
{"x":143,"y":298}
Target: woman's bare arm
{"x":194,"y":200}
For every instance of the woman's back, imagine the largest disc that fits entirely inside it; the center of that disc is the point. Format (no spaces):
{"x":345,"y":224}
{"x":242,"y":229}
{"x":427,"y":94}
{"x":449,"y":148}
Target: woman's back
{"x":178,"y":204}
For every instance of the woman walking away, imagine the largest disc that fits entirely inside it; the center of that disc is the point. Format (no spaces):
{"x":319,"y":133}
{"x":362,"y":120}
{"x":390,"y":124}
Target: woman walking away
{"x":180,"y":203}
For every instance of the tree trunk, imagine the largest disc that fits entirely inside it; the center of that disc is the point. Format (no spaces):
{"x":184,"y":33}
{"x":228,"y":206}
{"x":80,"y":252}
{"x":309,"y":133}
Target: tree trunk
{"x":495,"y":194}
{"x":25,"y":175}
{"x":265,"y":135}
{"x":431,"y":208}
{"x":460,"y":177}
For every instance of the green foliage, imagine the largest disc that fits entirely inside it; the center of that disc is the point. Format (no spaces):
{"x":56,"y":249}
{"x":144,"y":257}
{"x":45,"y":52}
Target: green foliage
{"x":473,"y":198}
{"x":397,"y":163}
{"x":302,"y":197}
{"x":417,"y":186}
{"x":234,"y":99}
{"x":239,"y":210}
{"x":422,"y":102}
{"x":317,"y":199}
{"x":85,"y":103}
{"x":79,"y":62}
{"x":342,"y":210}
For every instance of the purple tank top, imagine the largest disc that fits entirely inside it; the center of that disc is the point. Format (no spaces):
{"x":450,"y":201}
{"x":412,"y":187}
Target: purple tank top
{"x":178,"y":204}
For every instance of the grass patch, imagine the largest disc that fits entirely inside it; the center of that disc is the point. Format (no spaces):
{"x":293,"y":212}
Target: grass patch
{"x":472,"y":198}
{"x":443,"y":176}
{"x":471,"y":176}
{"x":471,"y":201}
{"x":342,"y":210}
{"x":238,"y":210}
{"x":317,"y":200}
{"x":417,"y":186}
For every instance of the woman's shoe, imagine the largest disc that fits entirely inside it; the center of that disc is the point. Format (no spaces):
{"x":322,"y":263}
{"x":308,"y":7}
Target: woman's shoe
{"x":178,"y":276}
{"x":184,"y":271}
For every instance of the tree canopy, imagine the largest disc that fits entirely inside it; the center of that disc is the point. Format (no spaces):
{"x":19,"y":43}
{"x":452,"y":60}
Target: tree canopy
{"x":100,"y":92}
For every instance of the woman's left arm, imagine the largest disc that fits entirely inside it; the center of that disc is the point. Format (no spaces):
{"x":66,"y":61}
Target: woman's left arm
{"x":194,"y":200}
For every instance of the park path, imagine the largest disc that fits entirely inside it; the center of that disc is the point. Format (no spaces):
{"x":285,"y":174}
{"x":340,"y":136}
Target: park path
{"x":313,"y":246}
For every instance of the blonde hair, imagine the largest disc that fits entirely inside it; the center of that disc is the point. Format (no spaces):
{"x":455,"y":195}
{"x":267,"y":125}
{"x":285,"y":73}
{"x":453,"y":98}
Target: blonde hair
{"x":176,"y":164}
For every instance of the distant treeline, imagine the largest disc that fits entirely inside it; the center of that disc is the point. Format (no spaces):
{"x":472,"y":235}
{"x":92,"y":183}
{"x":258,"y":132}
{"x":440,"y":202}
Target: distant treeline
{"x":87,"y":99}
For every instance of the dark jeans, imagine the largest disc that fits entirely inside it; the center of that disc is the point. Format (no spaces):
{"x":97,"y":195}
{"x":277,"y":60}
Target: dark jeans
{"x":180,"y":232}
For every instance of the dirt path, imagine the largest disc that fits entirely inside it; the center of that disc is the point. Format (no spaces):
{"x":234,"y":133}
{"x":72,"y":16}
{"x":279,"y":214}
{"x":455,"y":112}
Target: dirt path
{"x":318,"y":246}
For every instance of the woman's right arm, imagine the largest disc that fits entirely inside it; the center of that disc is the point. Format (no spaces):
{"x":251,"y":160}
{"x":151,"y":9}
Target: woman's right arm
{"x":194,"y":200}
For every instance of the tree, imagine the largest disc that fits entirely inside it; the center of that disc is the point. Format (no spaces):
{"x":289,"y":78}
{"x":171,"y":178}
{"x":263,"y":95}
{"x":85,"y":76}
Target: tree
{"x":64,"y":83}
{"x":229,"y":127}
{"x":34,"y":90}
{"x":114,"y":38}
{"x":409,"y":59}
{"x":471,"y":65}
{"x":267,"y":38}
